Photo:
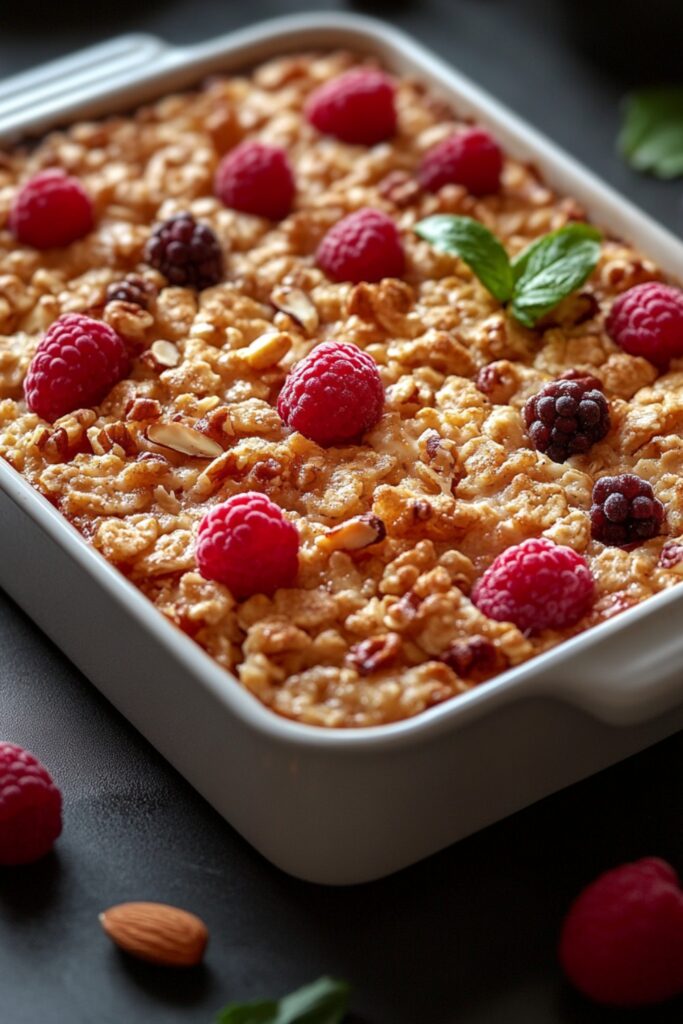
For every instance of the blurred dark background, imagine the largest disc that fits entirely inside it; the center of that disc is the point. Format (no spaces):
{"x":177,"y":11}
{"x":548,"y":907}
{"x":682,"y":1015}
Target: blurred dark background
{"x":467,"y":937}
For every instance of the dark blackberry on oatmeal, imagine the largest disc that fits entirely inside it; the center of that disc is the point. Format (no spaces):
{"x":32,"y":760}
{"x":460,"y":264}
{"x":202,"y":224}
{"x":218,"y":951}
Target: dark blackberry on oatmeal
{"x":567,"y":417}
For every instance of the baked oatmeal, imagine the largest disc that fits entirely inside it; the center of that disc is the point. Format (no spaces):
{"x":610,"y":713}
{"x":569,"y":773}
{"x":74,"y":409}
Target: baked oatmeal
{"x":379,"y":618}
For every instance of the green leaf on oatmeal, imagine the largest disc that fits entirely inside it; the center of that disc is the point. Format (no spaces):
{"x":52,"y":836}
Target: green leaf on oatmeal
{"x":475,"y":245}
{"x":651,"y":137}
{"x":551,"y":268}
{"x":324,"y":1001}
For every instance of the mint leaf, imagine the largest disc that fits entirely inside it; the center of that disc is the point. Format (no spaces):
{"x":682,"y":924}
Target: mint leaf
{"x":651,"y":137}
{"x":322,"y":1002}
{"x":551,"y":268}
{"x":475,"y":245}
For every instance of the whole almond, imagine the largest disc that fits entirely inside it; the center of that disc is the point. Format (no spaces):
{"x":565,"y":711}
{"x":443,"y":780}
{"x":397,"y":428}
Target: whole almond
{"x":157,"y":932}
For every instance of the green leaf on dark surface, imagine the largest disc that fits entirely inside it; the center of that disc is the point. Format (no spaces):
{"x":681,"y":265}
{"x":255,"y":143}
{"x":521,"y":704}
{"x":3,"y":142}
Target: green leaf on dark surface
{"x":551,"y":268}
{"x":651,"y":137}
{"x":475,"y":245}
{"x":324,"y":1001}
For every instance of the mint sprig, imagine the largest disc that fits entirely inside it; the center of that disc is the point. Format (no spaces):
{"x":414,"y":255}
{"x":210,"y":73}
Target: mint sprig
{"x":537,"y":279}
{"x":324,"y":1001}
{"x":651,"y":137}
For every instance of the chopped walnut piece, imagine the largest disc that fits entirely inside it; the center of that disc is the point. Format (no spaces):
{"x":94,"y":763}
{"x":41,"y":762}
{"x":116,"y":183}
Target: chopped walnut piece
{"x":498,"y":381}
{"x":217,"y":424}
{"x":399,"y":188}
{"x":375,"y":653}
{"x":476,"y":658}
{"x":143,"y":409}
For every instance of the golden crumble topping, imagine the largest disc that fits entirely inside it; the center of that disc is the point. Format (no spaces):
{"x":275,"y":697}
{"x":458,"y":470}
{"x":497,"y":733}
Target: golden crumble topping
{"x":448,"y":469}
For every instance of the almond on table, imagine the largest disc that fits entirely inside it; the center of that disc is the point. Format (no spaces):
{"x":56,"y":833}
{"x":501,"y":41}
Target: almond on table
{"x":157,"y":932}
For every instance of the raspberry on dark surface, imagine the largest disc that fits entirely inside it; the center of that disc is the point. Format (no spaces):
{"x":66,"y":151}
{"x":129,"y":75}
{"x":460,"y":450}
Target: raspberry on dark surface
{"x":625,"y":511}
{"x":356,"y":107}
{"x":30,"y":807}
{"x":77,"y":362}
{"x":186,"y":252}
{"x":364,"y":246}
{"x":647,"y":321}
{"x":334,"y":395}
{"x":247,"y":544}
{"x":133,"y":289}
{"x":471,"y":158}
{"x":567,"y":417}
{"x":622,"y":939}
{"x":256,"y":178}
{"x":51,"y":210}
{"x":536,"y":585}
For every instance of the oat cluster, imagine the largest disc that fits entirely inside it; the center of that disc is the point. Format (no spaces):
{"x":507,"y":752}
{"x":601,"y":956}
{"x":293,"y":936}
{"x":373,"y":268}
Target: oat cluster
{"x":394,"y":531}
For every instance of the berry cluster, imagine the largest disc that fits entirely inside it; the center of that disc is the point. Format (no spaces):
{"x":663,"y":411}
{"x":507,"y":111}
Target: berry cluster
{"x":365,"y":246}
{"x":76,"y":363}
{"x":247,"y":544}
{"x":186,"y":252}
{"x":51,"y":209}
{"x":537,"y":585}
{"x":567,"y":417}
{"x":333,"y":395}
{"x":625,"y":510}
{"x":256,"y":178}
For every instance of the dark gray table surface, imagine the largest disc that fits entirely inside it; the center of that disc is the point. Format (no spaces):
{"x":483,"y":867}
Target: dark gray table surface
{"x":467,"y":936}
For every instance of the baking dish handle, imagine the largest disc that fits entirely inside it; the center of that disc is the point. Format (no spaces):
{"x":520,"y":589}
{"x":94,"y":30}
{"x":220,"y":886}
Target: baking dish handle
{"x":30,"y":102}
{"x":631,"y":673}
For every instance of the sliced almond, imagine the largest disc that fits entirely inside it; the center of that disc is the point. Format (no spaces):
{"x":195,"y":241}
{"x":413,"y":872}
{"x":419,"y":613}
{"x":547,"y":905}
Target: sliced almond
{"x":165,"y":353}
{"x":267,"y":350}
{"x":297,"y":304}
{"x":183,"y":439}
{"x":354,"y":534}
{"x":157,"y":932}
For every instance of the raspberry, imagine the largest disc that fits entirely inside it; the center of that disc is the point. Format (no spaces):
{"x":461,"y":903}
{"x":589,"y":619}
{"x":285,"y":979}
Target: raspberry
{"x":365,"y":246}
{"x":76,"y":364}
{"x":256,"y":178}
{"x":247,"y":544}
{"x":470,"y":158}
{"x":537,"y":585}
{"x":30,"y":807}
{"x":333,"y":395}
{"x":648,"y":321}
{"x":625,"y":510}
{"x":186,"y":253}
{"x":567,"y":417}
{"x":622,"y":940}
{"x":356,"y":107}
{"x":133,"y":289}
{"x":51,"y":209}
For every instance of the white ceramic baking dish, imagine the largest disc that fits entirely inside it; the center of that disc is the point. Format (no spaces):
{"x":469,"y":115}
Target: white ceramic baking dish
{"x":347,"y":806}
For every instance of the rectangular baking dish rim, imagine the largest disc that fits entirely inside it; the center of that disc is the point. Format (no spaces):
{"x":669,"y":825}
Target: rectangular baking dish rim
{"x":516,"y":683}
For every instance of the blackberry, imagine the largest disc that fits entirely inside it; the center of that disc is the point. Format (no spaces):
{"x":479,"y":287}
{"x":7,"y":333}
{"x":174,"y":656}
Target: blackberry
{"x":625,"y":510}
{"x":133,"y":289}
{"x":187,"y":253}
{"x":567,"y":417}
